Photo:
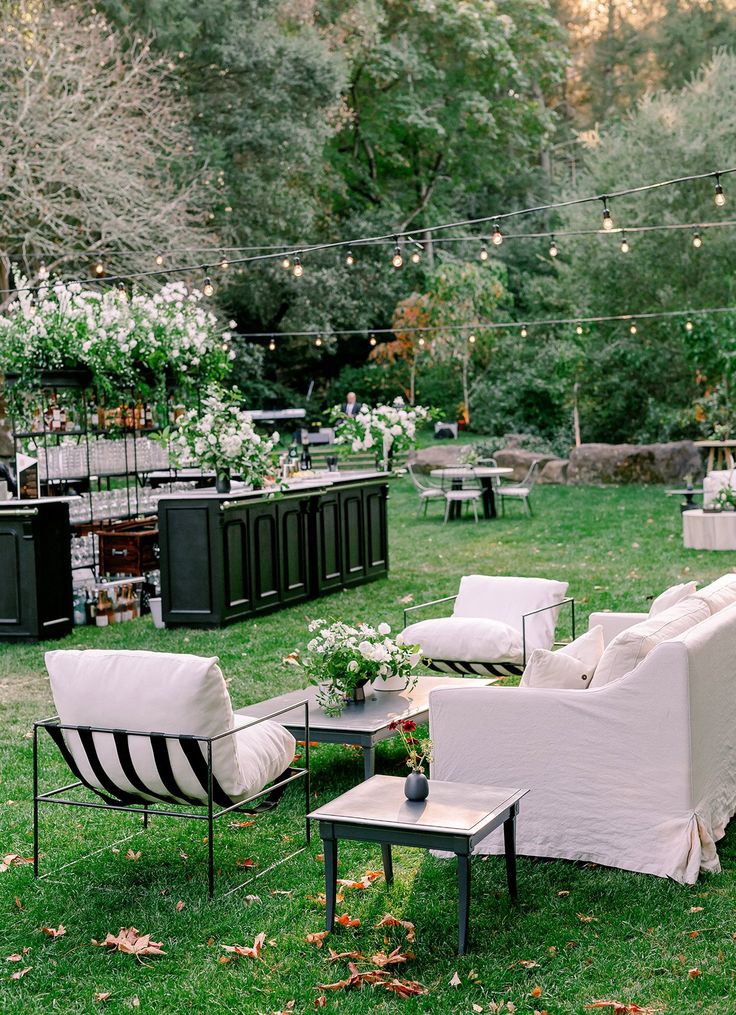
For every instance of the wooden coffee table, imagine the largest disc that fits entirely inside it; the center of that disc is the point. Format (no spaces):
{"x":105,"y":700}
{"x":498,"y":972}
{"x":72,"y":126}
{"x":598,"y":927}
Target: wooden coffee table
{"x":454,"y":817}
{"x":364,"y":724}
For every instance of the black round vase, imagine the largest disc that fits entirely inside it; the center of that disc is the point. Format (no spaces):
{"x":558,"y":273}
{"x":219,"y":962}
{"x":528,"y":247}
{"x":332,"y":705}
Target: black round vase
{"x":416,"y":786}
{"x":359,"y":692}
{"x":222,"y":482}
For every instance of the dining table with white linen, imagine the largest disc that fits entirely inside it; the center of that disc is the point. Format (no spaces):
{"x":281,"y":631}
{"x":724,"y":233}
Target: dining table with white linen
{"x":486,"y":476}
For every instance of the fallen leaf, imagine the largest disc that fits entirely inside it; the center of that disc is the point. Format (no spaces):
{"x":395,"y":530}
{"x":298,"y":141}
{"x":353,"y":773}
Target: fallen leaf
{"x":455,"y":981}
{"x":396,"y":957}
{"x":20,"y":972}
{"x":347,"y":921}
{"x":528,"y":963}
{"x":282,"y":891}
{"x":390,"y":921}
{"x":179,"y":906}
{"x":405,"y":600}
{"x":320,"y":857}
{"x":562,"y":895}
{"x":18,"y":903}
{"x":292,"y":659}
{"x":287,"y":1009}
{"x":337,"y":956}
{"x":317,"y":937}
{"x":365,"y":882}
{"x":586,"y":919}
{"x":130,"y":855}
{"x":406,"y":988}
{"x":13,"y":860}
{"x":241,"y":824}
{"x":696,"y":909}
{"x":477,"y":1007}
{"x":248,"y":862}
{"x":321,"y":1001}
{"x":321,"y":898}
{"x":536,"y":992}
{"x":130,"y":941}
{"x":59,"y":931}
{"x":136,"y":1002}
{"x":103,"y":995}
{"x":15,"y":957}
{"x":619,"y":1008}
{"x":250,"y":899}
{"x":692,"y":973}
{"x":184,"y":856}
{"x":245,"y":951}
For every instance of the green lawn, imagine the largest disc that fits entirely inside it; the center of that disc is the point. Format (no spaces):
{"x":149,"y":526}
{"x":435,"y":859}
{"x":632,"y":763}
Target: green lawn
{"x":616,"y":547}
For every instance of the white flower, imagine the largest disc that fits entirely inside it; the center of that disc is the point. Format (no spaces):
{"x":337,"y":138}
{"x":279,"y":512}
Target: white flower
{"x":352,"y":666}
{"x":384,"y":629}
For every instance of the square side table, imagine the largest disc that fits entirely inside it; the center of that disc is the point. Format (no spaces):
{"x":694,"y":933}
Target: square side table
{"x":455,"y":817}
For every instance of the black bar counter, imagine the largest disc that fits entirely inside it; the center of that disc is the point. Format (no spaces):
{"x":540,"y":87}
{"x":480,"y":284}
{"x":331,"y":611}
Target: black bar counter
{"x":227,"y":557}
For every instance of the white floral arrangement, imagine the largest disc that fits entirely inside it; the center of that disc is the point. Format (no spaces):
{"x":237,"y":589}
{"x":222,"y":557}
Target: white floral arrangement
{"x":343,"y":657}
{"x":385,"y":429}
{"x":220,"y":435}
{"x":127,"y":342}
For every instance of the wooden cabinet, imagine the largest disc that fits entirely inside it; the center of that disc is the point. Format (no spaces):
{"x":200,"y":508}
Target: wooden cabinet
{"x":35,"y":570}
{"x":224,"y":559}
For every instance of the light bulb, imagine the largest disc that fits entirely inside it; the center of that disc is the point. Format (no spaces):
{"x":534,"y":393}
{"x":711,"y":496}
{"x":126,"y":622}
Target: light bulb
{"x":421,"y":342}
{"x":607,"y":218}
{"x":416,"y":256}
{"x":298,"y":269}
{"x":208,"y":289}
{"x":496,"y":236}
{"x":159,"y":259}
{"x":697,"y":241}
{"x":121,"y":287}
{"x":579,"y":329}
{"x":471,"y":339}
{"x":43,"y":271}
{"x":632,"y":329}
{"x":224,"y":263}
{"x":349,"y":259}
{"x":99,"y":268}
{"x":484,"y":253}
{"x":719,"y":197}
{"x":523,"y":331}
{"x":318,"y":342}
{"x":285,"y":263}
{"x":372,"y":340}
{"x":272,"y":346}
{"x":225,"y":347}
{"x":553,"y":251}
{"x":397,"y":260}
{"x":688,"y":325}
{"x":625,"y":248}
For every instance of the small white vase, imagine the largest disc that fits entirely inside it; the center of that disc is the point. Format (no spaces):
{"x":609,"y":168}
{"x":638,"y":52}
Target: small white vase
{"x":390,"y":684}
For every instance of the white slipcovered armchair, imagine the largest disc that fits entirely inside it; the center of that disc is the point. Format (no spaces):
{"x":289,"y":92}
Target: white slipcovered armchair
{"x":715,"y":481}
{"x":496,"y":622}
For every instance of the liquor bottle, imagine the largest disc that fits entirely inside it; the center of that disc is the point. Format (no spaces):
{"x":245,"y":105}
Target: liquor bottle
{"x":140,"y":413}
{"x":62,"y":419}
{"x":148,"y":416}
{"x":90,"y":605}
{"x":102,"y":615}
{"x":132,"y":602}
{"x":305,"y":460}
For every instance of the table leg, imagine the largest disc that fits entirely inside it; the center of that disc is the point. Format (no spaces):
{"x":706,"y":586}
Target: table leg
{"x":369,"y":761}
{"x":489,"y":499}
{"x":388,"y":864}
{"x":463,"y":901}
{"x":456,"y":507}
{"x":509,"y":842}
{"x":330,"y":851}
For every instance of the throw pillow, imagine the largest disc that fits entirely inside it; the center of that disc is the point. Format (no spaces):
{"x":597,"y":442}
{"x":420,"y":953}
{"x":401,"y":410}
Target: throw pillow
{"x":466,"y":639}
{"x":720,"y":593}
{"x":671,"y":596}
{"x":571,"y":667}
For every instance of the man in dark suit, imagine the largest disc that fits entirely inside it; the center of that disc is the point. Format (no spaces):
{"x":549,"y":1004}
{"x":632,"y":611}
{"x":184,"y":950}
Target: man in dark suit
{"x":351,"y":406}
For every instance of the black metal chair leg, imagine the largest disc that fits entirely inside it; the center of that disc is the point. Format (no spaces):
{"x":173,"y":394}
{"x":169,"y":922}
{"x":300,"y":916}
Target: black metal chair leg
{"x":330,"y":851}
{"x":35,"y":802}
{"x":463,"y":902}
{"x":509,"y":842}
{"x":388,"y":863}
{"x":210,"y":825}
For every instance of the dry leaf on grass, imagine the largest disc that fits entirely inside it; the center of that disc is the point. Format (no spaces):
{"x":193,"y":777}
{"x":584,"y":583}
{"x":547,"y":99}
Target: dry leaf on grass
{"x":693,"y":973}
{"x":18,"y":903}
{"x":103,"y":995}
{"x":241,"y":824}
{"x":248,"y":862}
{"x":335,"y":956}
{"x":406,"y":599}
{"x":321,"y":1001}
{"x":244,"y":951}
{"x":130,"y":855}
{"x":321,"y":898}
{"x":287,"y":1009}
{"x":59,"y":931}
{"x":395,"y":957}
{"x":536,"y":992}
{"x":179,"y":906}
{"x":390,"y":921}
{"x":292,"y":659}
{"x":620,"y":1008}
{"x":455,"y":981}
{"x":20,"y":972}
{"x":347,"y":921}
{"x":130,"y":941}
{"x":317,"y":937}
{"x":528,"y":963}
{"x":696,"y":909}
{"x":13,"y":860}
{"x":365,"y":882}
{"x":585,"y":918}
{"x":406,"y":988}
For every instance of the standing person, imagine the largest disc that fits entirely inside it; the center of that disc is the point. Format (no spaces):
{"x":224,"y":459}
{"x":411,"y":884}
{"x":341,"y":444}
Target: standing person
{"x":351,"y":406}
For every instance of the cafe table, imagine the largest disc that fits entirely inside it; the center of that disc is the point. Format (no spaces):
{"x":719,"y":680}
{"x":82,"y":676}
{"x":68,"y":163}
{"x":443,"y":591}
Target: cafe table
{"x":485,"y":474}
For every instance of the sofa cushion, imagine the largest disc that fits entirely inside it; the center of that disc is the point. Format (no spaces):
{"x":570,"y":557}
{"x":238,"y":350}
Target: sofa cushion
{"x":720,"y":593}
{"x":508,"y":599}
{"x":571,"y":667}
{"x":158,"y":692}
{"x":469,"y":639}
{"x":671,"y":596}
{"x":632,"y":645}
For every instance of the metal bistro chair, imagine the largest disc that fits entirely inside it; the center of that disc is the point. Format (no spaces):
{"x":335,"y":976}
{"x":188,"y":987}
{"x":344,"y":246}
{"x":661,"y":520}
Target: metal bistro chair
{"x":224,"y":763}
{"x":426,"y":492}
{"x":520,"y":491}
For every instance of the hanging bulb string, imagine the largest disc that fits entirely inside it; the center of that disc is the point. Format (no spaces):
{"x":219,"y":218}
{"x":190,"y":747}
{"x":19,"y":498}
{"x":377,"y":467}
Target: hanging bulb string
{"x":440,"y":227}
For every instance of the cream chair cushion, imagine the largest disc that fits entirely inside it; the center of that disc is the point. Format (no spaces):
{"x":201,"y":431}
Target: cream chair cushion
{"x":508,"y":599}
{"x":671,"y":596}
{"x":720,"y":593}
{"x":465,"y":639}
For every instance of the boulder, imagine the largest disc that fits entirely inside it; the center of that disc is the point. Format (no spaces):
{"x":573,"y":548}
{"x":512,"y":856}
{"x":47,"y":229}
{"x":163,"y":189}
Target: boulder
{"x":634,"y":463}
{"x":555,"y":471}
{"x":439,"y":456}
{"x":520,"y":461}
{"x":6,"y":443}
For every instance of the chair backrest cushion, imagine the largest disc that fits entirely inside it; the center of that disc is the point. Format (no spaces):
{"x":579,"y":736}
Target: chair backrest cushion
{"x":149,"y":692}
{"x":508,"y":599}
{"x":631,"y":646}
{"x":719,"y":594}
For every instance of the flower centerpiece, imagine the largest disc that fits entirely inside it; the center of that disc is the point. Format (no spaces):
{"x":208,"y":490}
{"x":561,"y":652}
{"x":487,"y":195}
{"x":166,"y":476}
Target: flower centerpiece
{"x":219,"y":435}
{"x":343,"y":658}
{"x":386,"y":429}
{"x":418,"y":753}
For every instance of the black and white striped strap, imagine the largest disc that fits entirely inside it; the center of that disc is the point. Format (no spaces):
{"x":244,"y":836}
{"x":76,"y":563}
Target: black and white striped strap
{"x":475,"y":669}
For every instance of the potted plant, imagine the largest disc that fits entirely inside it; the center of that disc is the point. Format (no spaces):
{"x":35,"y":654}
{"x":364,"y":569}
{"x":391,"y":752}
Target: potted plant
{"x":386,"y":429}
{"x":220,"y":436}
{"x":418,"y":753}
{"x":342,"y":659}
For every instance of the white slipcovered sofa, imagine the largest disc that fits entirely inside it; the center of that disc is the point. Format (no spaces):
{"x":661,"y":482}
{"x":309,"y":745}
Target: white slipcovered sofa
{"x":637,"y":773}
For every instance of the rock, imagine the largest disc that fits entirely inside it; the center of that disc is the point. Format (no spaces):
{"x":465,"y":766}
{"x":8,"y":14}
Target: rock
{"x":6,"y":443}
{"x":439,"y":456}
{"x":520,"y":461}
{"x":634,"y":463}
{"x":555,"y":471}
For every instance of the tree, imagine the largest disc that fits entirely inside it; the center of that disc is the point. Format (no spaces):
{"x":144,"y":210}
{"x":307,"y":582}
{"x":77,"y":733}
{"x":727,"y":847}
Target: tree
{"x":95,"y":153}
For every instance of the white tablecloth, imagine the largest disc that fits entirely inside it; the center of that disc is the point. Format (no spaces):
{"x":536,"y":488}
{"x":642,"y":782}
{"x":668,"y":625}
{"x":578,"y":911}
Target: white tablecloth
{"x":703,"y":530}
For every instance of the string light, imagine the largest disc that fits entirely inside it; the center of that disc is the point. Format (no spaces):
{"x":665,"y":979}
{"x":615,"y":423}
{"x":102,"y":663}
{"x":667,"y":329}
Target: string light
{"x":318,"y":342}
{"x":43,"y":271}
{"x":285,"y":262}
{"x":697,"y":241}
{"x":349,"y":259}
{"x":471,"y":338}
{"x":607,"y":217}
{"x":579,"y":329}
{"x":524,"y":331}
{"x":397,"y":260}
{"x":496,"y":235}
{"x":272,"y":346}
{"x":483,"y":253}
{"x":159,"y":259}
{"x":416,"y":256}
{"x":421,"y":342}
{"x":719,"y":197}
{"x":99,"y":267}
{"x":553,"y":251}
{"x":224,"y":263}
{"x":632,"y":328}
{"x":298,"y":269}
{"x":373,"y":340}
{"x":688,"y":325}
{"x":625,"y":248}
{"x":208,"y":289}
